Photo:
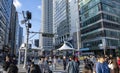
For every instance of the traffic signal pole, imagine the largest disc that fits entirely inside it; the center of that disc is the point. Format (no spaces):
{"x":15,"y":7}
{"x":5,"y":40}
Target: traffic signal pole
{"x":28,"y":25}
{"x":27,"y":33}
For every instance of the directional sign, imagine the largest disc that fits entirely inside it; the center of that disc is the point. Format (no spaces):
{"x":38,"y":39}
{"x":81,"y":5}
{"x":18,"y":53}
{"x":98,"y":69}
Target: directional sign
{"x":47,"y":35}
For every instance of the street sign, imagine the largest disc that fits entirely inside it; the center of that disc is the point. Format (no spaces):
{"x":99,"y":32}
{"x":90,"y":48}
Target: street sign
{"x":47,"y":35}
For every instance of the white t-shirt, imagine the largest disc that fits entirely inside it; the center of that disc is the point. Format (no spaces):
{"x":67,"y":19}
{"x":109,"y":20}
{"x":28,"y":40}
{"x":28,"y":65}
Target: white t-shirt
{"x":111,"y":66}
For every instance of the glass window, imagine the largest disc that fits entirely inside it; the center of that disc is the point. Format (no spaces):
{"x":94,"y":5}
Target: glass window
{"x":111,"y":42}
{"x":91,"y":20}
{"x":108,"y":8}
{"x":90,"y":13}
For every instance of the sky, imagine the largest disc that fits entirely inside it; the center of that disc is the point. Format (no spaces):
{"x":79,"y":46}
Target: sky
{"x":34,"y":6}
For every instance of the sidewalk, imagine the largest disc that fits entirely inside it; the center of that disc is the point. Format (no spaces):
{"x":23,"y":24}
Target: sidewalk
{"x":1,"y":70}
{"x":58,"y":69}
{"x":21,"y":69}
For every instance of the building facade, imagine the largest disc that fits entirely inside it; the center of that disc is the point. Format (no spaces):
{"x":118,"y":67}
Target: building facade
{"x":5,"y":13}
{"x":65,"y":21}
{"x":46,"y":42}
{"x":17,"y":34}
{"x":12,"y":31}
{"x":20,"y":37}
{"x":74,"y":24}
{"x":61,"y":21}
{"x":100,"y":23}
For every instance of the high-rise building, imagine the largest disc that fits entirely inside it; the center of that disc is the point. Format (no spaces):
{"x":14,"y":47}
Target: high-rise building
{"x":74,"y":23}
{"x":65,"y":20}
{"x":100,"y":24}
{"x":12,"y":31}
{"x":61,"y":21}
{"x":20,"y":37}
{"x":5,"y":13}
{"x":17,"y":34}
{"x":47,"y":24}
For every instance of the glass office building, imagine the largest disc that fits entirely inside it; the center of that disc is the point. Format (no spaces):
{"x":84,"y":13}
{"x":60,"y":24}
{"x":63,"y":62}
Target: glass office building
{"x":46,"y":43}
{"x":61,"y":21}
{"x":5,"y":12}
{"x":100,"y":23}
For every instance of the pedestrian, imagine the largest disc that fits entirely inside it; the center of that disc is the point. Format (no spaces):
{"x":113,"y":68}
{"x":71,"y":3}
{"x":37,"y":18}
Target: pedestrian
{"x":50,"y":67}
{"x":14,"y":61}
{"x":89,"y":66}
{"x":72,"y":66}
{"x":118,"y":61}
{"x":12,"y":69}
{"x":85,"y":59}
{"x":46,"y":65}
{"x":64,"y":62}
{"x":6,"y":64}
{"x":41,"y":64}
{"x":32,"y":68}
{"x":77,"y":60}
{"x":112,"y":64}
{"x":101,"y":65}
{"x":59,"y":60}
{"x":86,"y":70}
{"x":37,"y":68}
{"x":54,"y":62}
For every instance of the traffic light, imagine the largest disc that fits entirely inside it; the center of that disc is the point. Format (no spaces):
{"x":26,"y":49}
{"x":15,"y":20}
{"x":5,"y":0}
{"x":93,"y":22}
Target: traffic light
{"x":29,"y":15}
{"x":29,"y":25}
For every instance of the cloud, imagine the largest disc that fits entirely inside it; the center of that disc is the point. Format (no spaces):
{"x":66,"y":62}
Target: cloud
{"x":17,"y":3}
{"x":39,"y":7}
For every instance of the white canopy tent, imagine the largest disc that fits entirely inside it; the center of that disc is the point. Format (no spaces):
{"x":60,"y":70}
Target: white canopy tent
{"x":65,"y":47}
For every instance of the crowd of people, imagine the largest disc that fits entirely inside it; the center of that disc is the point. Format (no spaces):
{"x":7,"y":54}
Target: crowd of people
{"x":71,"y":64}
{"x":48,"y":64}
{"x":102,"y":64}
{"x":10,"y":64}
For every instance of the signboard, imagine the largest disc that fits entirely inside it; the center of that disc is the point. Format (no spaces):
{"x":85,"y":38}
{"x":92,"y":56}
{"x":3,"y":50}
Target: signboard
{"x":47,"y":35}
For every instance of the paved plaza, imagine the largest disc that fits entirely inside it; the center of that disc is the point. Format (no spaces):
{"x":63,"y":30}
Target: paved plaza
{"x":58,"y":69}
